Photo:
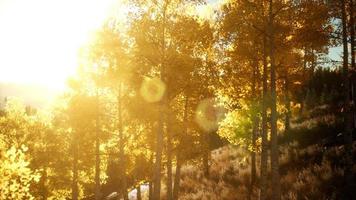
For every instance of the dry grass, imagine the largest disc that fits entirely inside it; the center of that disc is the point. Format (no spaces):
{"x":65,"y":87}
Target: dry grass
{"x":308,"y":169}
{"x":305,"y":176}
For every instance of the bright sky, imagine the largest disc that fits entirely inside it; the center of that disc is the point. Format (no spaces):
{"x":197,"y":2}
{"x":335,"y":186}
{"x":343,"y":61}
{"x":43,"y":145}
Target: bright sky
{"x":39,"y":39}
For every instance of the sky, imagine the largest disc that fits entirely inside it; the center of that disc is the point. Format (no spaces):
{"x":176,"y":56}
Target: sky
{"x":40,"y":39}
{"x":335,"y":53}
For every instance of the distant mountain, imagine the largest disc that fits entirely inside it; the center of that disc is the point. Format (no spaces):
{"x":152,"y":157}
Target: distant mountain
{"x":34,"y":95}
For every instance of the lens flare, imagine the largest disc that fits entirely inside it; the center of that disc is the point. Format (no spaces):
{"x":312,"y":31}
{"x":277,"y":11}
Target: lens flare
{"x":209,"y":114}
{"x":152,"y":89}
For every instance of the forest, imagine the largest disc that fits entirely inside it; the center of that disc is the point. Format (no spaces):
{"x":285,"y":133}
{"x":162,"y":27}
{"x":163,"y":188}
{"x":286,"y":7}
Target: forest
{"x":195,"y":100}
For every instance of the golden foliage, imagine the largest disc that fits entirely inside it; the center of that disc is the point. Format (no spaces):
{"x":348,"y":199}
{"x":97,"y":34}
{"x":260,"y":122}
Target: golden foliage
{"x":15,"y":175}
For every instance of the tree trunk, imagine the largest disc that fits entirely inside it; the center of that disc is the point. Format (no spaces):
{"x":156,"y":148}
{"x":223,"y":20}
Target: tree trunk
{"x":276,"y":193}
{"x":255,"y":127}
{"x":177,"y":177}
{"x":159,"y":144}
{"x":352,"y":34}
{"x":43,"y":180}
{"x":312,"y":64}
{"x":179,"y":154}
{"x":169,"y":165}
{"x":157,"y":169}
{"x":287,"y":103}
{"x":206,"y":154}
{"x":304,"y":86}
{"x":138,"y":194}
{"x":206,"y":163}
{"x":264,"y":153}
{"x":150,"y":190}
{"x":253,"y":156}
{"x":97,"y":154}
{"x":353,"y":54}
{"x":122,"y":160}
{"x":253,"y":153}
{"x":75,"y":191}
{"x":97,"y":169}
{"x":348,"y":175}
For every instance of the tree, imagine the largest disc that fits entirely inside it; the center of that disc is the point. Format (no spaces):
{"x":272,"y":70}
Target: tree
{"x":16,"y":176}
{"x":276,"y":193}
{"x":347,"y":106}
{"x":264,"y":151}
{"x":311,"y":34}
{"x":82,"y":114}
{"x":170,"y":67}
{"x":109,"y":62}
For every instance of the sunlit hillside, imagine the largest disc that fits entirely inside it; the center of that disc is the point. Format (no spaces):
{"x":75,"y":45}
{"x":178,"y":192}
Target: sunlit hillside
{"x":177,"y":100}
{"x":37,"y":96}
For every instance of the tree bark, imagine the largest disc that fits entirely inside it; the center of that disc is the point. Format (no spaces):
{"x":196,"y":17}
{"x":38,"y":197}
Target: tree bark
{"x":97,"y":153}
{"x":179,"y":154}
{"x":287,"y":103}
{"x":123,"y":189}
{"x":352,"y":34}
{"x":264,"y":153}
{"x":138,"y":194}
{"x":159,"y":144}
{"x":255,"y":126}
{"x":43,"y":180}
{"x":157,"y":169}
{"x":150,"y":190}
{"x":353,"y":54}
{"x":206,"y":153}
{"x":169,"y":165}
{"x":304,"y":86}
{"x":253,"y":156}
{"x":177,"y":177}
{"x":276,"y":193}
{"x":75,"y":191}
{"x":348,"y":175}
{"x":97,"y":169}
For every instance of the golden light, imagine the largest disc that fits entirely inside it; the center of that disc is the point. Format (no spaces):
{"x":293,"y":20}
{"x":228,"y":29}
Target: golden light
{"x":152,"y":89}
{"x":208,"y":114}
{"x":40,"y":39}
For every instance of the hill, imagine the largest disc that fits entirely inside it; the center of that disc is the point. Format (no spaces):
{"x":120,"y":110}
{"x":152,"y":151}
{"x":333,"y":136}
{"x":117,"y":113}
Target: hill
{"x":33,"y":95}
{"x":310,"y":164}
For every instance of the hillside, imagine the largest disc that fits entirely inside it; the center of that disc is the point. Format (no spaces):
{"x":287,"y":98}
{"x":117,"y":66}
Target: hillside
{"x":309,"y":164}
{"x":34,"y":95}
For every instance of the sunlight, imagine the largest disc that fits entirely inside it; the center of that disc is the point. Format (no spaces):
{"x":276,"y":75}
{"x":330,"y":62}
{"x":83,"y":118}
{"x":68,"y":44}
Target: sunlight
{"x":171,"y":99}
{"x":40,"y":39}
{"x":152,"y":89}
{"x":208,"y":115}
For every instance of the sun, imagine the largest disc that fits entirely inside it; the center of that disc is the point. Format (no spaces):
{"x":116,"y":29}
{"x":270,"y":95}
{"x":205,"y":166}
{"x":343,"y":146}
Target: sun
{"x":40,"y":39}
